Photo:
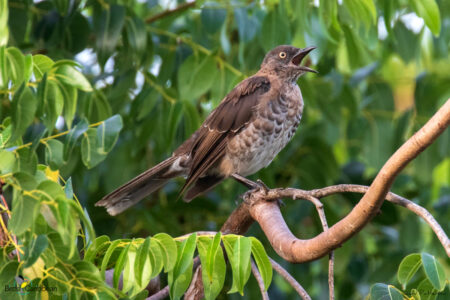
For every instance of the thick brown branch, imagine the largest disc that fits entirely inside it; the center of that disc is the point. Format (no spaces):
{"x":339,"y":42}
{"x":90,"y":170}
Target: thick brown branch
{"x":296,"y":250}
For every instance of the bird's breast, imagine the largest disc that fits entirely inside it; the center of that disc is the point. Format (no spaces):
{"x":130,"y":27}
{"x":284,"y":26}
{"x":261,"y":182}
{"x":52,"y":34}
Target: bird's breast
{"x":274,"y":124}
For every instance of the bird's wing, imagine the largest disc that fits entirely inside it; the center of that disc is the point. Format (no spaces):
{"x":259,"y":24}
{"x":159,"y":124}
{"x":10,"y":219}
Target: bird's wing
{"x":234,"y":112}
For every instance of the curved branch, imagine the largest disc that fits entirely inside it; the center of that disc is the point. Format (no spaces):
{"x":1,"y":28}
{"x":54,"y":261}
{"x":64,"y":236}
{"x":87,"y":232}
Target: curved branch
{"x":260,"y":281}
{"x":296,"y":250}
{"x":291,"y":280}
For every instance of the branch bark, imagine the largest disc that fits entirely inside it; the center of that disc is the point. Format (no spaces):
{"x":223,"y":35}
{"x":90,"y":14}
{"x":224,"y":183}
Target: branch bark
{"x":295,"y":250}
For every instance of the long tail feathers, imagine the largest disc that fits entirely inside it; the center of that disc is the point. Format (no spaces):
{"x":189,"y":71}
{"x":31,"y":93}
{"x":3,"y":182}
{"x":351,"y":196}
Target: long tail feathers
{"x":139,"y":187}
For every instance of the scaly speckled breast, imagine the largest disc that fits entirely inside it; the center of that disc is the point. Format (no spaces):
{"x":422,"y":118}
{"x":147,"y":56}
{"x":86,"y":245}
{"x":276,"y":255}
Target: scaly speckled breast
{"x":263,"y":138}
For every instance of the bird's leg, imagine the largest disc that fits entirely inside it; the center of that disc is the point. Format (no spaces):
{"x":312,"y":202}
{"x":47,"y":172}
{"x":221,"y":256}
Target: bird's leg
{"x":251,"y":185}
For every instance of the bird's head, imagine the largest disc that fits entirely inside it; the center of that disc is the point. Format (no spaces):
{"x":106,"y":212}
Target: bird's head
{"x":285,"y":61}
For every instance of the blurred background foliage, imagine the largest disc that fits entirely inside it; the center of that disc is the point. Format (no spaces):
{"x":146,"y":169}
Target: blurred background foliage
{"x":384,"y":69}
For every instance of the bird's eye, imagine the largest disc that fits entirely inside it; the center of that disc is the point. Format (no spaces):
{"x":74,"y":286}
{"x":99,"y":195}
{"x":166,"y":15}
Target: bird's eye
{"x":282,"y":55}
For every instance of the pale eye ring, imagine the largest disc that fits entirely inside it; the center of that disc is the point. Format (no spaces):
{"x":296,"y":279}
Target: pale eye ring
{"x":282,"y":55}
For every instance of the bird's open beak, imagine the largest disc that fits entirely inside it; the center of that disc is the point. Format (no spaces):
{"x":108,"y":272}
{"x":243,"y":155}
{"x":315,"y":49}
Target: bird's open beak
{"x":300,"y":56}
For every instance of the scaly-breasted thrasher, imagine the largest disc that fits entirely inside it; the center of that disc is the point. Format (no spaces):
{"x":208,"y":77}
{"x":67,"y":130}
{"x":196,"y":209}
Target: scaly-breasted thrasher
{"x":241,"y":136}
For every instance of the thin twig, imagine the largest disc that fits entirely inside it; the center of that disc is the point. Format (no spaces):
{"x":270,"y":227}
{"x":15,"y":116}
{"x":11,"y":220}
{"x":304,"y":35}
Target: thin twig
{"x":291,"y":280}
{"x":169,"y":12}
{"x":260,"y":281}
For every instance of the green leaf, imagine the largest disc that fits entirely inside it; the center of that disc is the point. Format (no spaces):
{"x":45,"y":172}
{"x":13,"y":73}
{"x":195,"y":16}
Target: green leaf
{"x":136,"y":35}
{"x":53,"y":103}
{"x":23,"y":213}
{"x":54,"y":154}
{"x":90,"y":150}
{"x":71,"y":76}
{"x":101,"y":243}
{"x":143,"y":267}
{"x":120,"y":264}
{"x":262,"y":261}
{"x":37,"y":246}
{"x":381,"y":291}
{"x":196,"y":76}
{"x":108,"y":23}
{"x":426,"y":290}
{"x":108,"y":133}
{"x":41,"y":65}
{"x":4,"y":32}
{"x":429,"y":11}
{"x":7,"y":161}
{"x":212,"y":16}
{"x":70,"y":96}
{"x":3,"y":70}
{"x":105,"y":262}
{"x":156,"y":259}
{"x":238,"y":250}
{"x":247,"y":25}
{"x":15,"y":65}
{"x":24,"y":106}
{"x":168,"y":249}
{"x":26,"y":162}
{"x":408,"y":267}
{"x":434,"y":271}
{"x":129,"y":285}
{"x":73,"y":136}
{"x":213,"y":265}
{"x":180,"y":276}
{"x":8,"y":271}
{"x":26,"y":181}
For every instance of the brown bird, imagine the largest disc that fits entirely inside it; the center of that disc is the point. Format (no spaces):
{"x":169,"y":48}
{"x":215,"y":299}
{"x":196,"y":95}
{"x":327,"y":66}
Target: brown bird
{"x":241,"y":136}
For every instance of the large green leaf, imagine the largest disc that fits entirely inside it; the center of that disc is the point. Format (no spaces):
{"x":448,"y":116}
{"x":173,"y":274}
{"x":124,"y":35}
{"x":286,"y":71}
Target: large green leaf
{"x":66,"y":73}
{"x":23,"y":212}
{"x":213,"y":265}
{"x":41,"y":65}
{"x":54,"y":154}
{"x":120,"y":264}
{"x":143,"y":266}
{"x":262,"y":261}
{"x":73,"y":136}
{"x":108,"y":23}
{"x":100,"y":243}
{"x":381,"y":291}
{"x":7,"y":160}
{"x":238,"y":249}
{"x":90,"y":153}
{"x":434,"y":271}
{"x":39,"y":244}
{"x":408,"y":267}
{"x":180,"y":276}
{"x":168,"y":249}
{"x":136,"y":35}
{"x":108,"y":133}
{"x":24,"y":106}
{"x":15,"y":64}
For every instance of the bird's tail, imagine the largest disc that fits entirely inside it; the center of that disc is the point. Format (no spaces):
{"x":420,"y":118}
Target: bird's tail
{"x":139,"y":187}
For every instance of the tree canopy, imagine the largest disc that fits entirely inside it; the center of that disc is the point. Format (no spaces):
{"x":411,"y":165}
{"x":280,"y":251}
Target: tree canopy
{"x":93,"y":92}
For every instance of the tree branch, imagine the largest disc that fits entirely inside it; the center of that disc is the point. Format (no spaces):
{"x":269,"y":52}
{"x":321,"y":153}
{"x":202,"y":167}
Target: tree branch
{"x":291,"y":280}
{"x":180,"y":8}
{"x":260,"y":281}
{"x":268,"y":215}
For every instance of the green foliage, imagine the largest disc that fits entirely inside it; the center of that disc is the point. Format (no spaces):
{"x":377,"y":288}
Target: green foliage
{"x":93,"y":93}
{"x":427,"y":285}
